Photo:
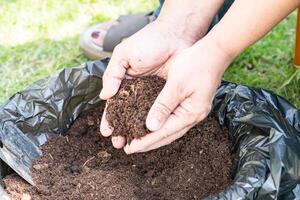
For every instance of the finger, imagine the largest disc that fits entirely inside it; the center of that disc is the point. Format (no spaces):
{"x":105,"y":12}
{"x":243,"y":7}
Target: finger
{"x":190,"y":112}
{"x":167,"y":140}
{"x":173,"y":125}
{"x":105,"y":129}
{"x":118,"y":142}
{"x":164,"y":105}
{"x":114,"y":74}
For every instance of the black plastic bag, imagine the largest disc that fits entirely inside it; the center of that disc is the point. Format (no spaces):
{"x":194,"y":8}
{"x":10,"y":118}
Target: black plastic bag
{"x":264,"y":128}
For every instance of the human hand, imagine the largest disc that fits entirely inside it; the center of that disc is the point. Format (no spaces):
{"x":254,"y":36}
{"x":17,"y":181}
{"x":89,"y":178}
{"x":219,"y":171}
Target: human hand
{"x":193,"y":77}
{"x":144,"y":53}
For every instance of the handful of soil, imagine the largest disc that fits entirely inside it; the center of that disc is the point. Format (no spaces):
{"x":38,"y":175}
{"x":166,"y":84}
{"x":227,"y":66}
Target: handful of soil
{"x":128,"y":109}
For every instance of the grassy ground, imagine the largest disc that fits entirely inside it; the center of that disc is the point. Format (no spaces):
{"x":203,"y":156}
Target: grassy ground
{"x":39,"y":38}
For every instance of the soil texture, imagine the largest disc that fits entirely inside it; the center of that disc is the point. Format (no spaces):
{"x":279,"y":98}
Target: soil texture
{"x":84,"y":165}
{"x":128,"y":109}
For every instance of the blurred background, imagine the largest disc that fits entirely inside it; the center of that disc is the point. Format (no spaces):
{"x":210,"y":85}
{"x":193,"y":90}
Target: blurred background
{"x":38,"y":38}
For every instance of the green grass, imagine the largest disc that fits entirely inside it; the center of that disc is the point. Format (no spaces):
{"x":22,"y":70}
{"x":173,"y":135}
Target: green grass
{"x":269,"y":63}
{"x":38,"y":38}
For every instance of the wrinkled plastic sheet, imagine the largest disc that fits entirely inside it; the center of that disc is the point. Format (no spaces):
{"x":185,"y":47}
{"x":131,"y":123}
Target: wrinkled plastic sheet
{"x":264,"y":129}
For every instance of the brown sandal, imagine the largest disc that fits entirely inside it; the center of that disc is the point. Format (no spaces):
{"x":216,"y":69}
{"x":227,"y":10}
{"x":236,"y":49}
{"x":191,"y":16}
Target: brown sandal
{"x":128,"y":25}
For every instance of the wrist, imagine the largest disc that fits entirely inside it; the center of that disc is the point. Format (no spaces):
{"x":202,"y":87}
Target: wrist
{"x":181,"y":28}
{"x":231,"y":50}
{"x":189,"y":19}
{"x":171,"y":35}
{"x":213,"y":50}
{"x":224,"y":49}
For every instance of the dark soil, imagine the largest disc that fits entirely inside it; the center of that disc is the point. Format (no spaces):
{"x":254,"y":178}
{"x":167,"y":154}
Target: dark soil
{"x":84,"y":165}
{"x":128,"y":109}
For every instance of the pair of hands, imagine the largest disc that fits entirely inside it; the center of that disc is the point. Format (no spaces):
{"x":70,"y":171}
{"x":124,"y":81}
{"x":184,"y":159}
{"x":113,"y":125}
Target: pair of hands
{"x":192,"y":72}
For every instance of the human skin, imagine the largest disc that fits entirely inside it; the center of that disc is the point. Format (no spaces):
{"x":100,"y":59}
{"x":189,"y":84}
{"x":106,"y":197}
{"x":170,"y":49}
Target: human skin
{"x":193,"y":71}
{"x":147,"y":51}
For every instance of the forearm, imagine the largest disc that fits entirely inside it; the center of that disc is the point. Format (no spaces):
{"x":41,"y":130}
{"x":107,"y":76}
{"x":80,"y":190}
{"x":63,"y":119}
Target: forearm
{"x":248,"y":21}
{"x":189,"y":18}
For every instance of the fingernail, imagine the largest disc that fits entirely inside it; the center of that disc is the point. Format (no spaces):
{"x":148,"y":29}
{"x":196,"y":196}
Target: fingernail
{"x":108,"y":130}
{"x":116,"y":142}
{"x":153,"y":124}
{"x":127,"y":150}
{"x":101,"y":94}
{"x":115,"y":139}
{"x":105,"y":132}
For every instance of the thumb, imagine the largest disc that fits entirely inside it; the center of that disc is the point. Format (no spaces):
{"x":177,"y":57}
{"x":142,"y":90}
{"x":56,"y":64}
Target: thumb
{"x":164,"y":105}
{"x":113,"y":75}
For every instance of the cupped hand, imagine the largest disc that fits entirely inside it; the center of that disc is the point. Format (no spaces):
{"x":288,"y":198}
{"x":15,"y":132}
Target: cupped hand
{"x":144,"y":53}
{"x":193,"y":76}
